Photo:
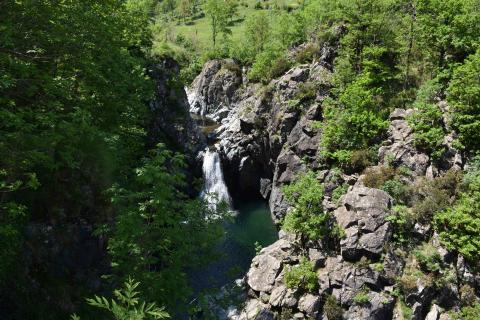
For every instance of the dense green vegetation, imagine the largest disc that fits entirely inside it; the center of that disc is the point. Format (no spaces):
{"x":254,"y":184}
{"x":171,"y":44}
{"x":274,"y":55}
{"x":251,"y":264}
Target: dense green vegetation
{"x":302,"y":276}
{"x":74,"y":116}
{"x":306,"y":217}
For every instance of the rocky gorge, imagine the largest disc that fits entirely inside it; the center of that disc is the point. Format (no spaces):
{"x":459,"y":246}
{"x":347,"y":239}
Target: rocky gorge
{"x":267,"y":136}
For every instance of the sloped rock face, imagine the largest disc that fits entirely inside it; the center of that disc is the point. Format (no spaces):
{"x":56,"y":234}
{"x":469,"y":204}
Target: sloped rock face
{"x":363,"y":217}
{"x":170,"y":109}
{"x":357,"y":270}
{"x":214,"y":91}
{"x":400,"y":148}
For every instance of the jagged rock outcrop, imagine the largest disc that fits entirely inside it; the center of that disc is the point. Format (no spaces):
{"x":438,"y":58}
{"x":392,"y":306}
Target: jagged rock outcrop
{"x":363,"y":216}
{"x":214,"y":90}
{"x":172,"y":122}
{"x":400,"y":149}
{"x":362,"y":213}
{"x":267,"y":133}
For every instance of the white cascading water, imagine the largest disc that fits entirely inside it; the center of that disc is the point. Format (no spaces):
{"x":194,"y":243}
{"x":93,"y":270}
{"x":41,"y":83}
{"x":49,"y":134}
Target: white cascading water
{"x":215,"y":190}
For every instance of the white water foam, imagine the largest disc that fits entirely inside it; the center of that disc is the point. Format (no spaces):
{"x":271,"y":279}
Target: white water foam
{"x":214,"y":190}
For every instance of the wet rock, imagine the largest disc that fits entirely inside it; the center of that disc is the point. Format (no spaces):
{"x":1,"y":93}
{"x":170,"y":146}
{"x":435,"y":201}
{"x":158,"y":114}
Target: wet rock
{"x":213,"y":91}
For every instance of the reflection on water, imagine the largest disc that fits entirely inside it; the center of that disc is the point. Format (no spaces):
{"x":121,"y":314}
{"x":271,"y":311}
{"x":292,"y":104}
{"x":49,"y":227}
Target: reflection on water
{"x":205,"y":124}
{"x":252,"y":224}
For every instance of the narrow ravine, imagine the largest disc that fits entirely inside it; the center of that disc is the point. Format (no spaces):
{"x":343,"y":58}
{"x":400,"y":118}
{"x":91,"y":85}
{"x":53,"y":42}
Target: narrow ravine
{"x":251,"y":225}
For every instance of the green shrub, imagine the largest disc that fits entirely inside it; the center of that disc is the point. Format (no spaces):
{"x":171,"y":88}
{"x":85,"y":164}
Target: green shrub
{"x":467,"y":295}
{"x":269,"y":64}
{"x":332,"y":309}
{"x":427,"y":120}
{"x":307,"y":53}
{"x":403,"y":223}
{"x":361,"y":298}
{"x":127,"y":305}
{"x":361,"y":159}
{"x":306,"y":217}
{"x":467,"y":313}
{"x":338,"y":192}
{"x":376,"y":177}
{"x":302,"y":276}
{"x":464,"y":96}
{"x":279,"y":66}
{"x":427,"y":125}
{"x":459,"y":226}
{"x":428,"y":258}
{"x":435,"y":195}
{"x":396,"y":189}
{"x":306,"y":91}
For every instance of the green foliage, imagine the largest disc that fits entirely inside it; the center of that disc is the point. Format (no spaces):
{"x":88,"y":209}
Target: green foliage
{"x":428,"y":258}
{"x":73,"y":119}
{"x":435,"y":195}
{"x":306,"y":217}
{"x":219,"y":13}
{"x":354,"y":121}
{"x":467,"y":313}
{"x":427,"y":121}
{"x":396,"y":189}
{"x":376,"y":177}
{"x":464,"y":96}
{"x":258,"y":247}
{"x":302,"y":276}
{"x":257,"y":28}
{"x":332,"y":308}
{"x":269,"y":64}
{"x":127,"y":304}
{"x":361,"y":298}
{"x":447,"y":30}
{"x":152,"y":221}
{"x":458,"y":224}
{"x":338,"y":192}
{"x":403,"y":223}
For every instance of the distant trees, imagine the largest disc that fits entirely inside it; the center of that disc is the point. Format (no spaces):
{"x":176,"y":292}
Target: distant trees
{"x":219,"y":13}
{"x":257,"y":31}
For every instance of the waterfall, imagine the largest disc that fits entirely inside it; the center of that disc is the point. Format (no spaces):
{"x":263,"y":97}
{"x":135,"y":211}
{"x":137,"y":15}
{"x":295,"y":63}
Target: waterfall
{"x":214,"y":190}
{"x":197,"y":106}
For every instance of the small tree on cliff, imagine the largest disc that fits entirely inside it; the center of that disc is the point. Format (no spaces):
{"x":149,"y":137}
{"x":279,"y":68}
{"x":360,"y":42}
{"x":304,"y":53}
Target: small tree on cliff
{"x":219,"y":13}
{"x":307,"y":217}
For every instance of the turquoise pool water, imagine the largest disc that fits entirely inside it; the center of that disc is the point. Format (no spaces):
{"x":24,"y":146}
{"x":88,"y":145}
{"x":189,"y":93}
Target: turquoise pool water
{"x":252,"y":224}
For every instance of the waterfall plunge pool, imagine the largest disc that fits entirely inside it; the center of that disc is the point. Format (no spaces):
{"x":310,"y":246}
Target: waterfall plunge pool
{"x":252,"y":224}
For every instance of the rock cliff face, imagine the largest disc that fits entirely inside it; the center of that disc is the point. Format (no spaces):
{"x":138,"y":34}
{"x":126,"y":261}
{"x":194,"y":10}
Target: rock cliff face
{"x":171,"y":120}
{"x":268,"y":135}
{"x":265,"y":138}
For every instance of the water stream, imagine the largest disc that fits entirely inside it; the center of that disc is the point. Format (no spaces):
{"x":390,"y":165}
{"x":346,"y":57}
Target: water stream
{"x":214,"y":189}
{"x":251,"y":225}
